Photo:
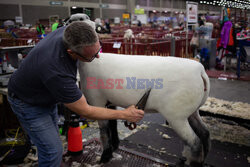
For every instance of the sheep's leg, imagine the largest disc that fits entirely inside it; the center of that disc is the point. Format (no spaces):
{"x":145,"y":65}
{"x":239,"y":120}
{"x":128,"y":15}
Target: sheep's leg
{"x":113,"y":131}
{"x":109,"y":137}
{"x":105,"y":130}
{"x":105,"y":135}
{"x":201,"y":131}
{"x":192,"y":144}
{"x":114,"y":134}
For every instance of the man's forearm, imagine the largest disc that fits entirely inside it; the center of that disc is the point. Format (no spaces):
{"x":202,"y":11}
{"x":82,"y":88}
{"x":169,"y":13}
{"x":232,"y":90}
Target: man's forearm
{"x":100,"y":113}
{"x":82,"y":108}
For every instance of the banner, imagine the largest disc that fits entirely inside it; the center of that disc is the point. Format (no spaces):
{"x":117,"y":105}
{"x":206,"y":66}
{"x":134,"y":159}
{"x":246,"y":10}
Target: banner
{"x":192,"y":12}
{"x":125,"y":16}
{"x":139,"y":11}
{"x":19,"y":19}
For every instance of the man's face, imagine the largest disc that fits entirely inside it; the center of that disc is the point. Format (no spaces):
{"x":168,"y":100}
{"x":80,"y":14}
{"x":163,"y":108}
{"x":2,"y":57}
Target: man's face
{"x":88,"y":54}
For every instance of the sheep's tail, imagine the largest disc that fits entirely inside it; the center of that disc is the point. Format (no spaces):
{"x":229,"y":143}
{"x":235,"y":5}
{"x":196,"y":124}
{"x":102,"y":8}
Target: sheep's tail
{"x":206,"y":83}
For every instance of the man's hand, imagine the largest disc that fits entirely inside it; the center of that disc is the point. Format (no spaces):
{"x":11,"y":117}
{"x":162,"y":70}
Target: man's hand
{"x":133,"y":114}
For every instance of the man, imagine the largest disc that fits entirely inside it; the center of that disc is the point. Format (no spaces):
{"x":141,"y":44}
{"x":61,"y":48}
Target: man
{"x":54,"y":25}
{"x":40,"y":28}
{"x":48,"y":76}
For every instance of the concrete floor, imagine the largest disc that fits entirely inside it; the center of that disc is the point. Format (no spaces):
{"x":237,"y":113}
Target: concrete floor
{"x":231,"y":90}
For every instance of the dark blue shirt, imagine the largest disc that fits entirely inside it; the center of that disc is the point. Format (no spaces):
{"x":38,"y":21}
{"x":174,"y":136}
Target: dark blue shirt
{"x":47,"y":75}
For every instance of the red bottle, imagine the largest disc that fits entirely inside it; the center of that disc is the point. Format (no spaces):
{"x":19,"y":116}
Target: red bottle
{"x":74,"y":136}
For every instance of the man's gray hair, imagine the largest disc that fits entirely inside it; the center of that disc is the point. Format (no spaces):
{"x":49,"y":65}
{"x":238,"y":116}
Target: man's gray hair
{"x":79,"y":34}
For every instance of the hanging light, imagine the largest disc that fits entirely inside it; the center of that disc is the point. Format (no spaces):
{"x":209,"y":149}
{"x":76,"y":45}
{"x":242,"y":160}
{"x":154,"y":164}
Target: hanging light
{"x":230,"y":3}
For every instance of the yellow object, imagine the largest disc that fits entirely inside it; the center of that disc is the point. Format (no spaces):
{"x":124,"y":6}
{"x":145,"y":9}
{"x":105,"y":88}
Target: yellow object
{"x":1,"y":158}
{"x":83,"y":126}
{"x":228,"y":12}
{"x":18,"y":140}
{"x":125,"y":16}
{"x":139,"y":11}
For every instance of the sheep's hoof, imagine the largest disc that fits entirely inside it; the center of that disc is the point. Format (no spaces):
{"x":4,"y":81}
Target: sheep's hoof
{"x":106,"y":155}
{"x":181,"y":162}
{"x":196,"y":164}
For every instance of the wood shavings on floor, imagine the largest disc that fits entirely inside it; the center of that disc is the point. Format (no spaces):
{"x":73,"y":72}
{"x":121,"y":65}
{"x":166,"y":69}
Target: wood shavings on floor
{"x":219,"y":106}
{"x":165,"y":136}
{"x":75,"y":164}
{"x":89,"y":165}
{"x":227,"y":132}
{"x":116,"y":156}
{"x":94,"y":124}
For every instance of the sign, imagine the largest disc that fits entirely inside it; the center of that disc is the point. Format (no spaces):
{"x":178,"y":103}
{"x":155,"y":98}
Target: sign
{"x":139,"y":11}
{"x":104,"y":5}
{"x":29,"y":41}
{"x":192,"y":12}
{"x":19,"y":19}
{"x":117,"y":20}
{"x":117,"y":45}
{"x":56,"y":3}
{"x":143,"y":18}
{"x":125,"y":16}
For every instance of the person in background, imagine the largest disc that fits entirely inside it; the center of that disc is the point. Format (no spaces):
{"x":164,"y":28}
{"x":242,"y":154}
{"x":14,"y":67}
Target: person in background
{"x":181,"y":19}
{"x":55,"y":25}
{"x":47,"y":76}
{"x":139,"y":23}
{"x":102,"y":27}
{"x":40,"y":28}
{"x":107,"y":26}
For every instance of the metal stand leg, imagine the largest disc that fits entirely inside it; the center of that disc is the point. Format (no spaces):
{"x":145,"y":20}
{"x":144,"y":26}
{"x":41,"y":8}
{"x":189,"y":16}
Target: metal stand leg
{"x":238,"y":63}
{"x":225,"y":65}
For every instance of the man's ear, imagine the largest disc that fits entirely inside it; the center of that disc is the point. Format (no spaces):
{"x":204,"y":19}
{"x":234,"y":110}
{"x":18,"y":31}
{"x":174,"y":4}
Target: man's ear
{"x":69,"y":51}
{"x":71,"y":54}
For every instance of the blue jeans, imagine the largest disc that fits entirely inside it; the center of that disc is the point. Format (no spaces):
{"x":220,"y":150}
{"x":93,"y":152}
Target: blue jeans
{"x":40,"y":123}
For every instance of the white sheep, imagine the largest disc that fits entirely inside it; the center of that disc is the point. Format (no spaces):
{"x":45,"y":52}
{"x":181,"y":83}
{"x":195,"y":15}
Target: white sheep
{"x":179,"y":87}
{"x":128,"y":34}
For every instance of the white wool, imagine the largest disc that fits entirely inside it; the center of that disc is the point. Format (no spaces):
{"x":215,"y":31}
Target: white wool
{"x":219,"y":106}
{"x":225,"y":132}
{"x":178,"y":86}
{"x":143,"y":126}
{"x":128,"y":34}
{"x":75,"y":164}
{"x":89,"y":165}
{"x":116,"y":156}
{"x":181,"y":82}
{"x":165,"y":136}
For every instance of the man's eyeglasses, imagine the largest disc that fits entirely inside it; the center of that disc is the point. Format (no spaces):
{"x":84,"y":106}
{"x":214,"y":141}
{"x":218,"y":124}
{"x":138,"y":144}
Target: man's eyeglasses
{"x":92,"y":58}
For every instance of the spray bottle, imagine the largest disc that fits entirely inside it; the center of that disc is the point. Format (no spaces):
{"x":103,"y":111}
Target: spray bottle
{"x":74,"y":136}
